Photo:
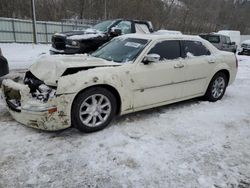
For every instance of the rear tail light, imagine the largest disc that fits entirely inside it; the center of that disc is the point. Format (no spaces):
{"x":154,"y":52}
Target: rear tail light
{"x":1,"y":52}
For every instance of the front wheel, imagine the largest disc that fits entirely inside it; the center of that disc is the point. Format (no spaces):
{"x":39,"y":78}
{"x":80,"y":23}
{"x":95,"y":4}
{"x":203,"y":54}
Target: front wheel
{"x":217,"y":87}
{"x":93,"y":110}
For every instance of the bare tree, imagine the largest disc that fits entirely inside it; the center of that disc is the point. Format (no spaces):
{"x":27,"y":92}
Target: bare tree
{"x":189,"y":16}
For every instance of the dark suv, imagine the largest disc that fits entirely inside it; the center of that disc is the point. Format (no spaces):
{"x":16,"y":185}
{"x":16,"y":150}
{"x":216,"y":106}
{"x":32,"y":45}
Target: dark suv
{"x":221,"y":42}
{"x":89,"y":40}
{"x":244,"y":48}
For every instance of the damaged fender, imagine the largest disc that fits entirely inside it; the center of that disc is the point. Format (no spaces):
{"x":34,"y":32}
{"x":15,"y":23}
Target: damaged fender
{"x":51,"y":115}
{"x":119,"y":80}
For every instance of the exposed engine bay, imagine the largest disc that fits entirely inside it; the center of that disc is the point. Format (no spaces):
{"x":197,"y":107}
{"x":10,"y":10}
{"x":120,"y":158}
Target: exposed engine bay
{"x":38,"y":89}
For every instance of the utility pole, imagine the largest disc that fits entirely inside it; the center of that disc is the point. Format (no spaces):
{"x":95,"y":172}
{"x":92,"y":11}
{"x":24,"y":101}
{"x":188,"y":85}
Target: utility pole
{"x":105,"y":9}
{"x":34,"y":21}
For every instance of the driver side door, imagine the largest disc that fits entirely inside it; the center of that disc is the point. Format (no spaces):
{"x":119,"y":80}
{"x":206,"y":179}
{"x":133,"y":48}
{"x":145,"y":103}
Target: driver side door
{"x":159,"y":82}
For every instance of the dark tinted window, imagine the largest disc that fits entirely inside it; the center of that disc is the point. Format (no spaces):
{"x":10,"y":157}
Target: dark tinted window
{"x":228,"y":40}
{"x":211,"y":38}
{"x":223,"y":39}
{"x":167,"y":49}
{"x":214,"y":39}
{"x":195,"y":48}
{"x":103,"y":26}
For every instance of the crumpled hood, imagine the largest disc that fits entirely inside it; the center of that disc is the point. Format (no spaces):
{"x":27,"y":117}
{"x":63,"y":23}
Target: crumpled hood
{"x":50,"y":68}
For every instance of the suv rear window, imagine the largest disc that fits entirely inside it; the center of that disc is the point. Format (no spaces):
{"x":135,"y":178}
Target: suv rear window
{"x":195,"y":48}
{"x":169,"y":50}
{"x":211,"y":38}
{"x":141,"y":28}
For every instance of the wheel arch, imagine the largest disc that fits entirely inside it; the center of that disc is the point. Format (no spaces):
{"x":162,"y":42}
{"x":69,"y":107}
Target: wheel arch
{"x":109,"y":88}
{"x":226,"y":72}
{"x":223,"y":70}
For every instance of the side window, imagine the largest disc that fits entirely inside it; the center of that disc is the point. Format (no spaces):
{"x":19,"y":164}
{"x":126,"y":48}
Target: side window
{"x":141,"y":28}
{"x":125,"y":26}
{"x":167,"y":50}
{"x":195,"y":48}
{"x":223,"y":39}
{"x":228,"y":40}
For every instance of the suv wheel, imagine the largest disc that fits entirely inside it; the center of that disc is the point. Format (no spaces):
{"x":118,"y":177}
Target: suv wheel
{"x":217,"y":87}
{"x":93,"y":110}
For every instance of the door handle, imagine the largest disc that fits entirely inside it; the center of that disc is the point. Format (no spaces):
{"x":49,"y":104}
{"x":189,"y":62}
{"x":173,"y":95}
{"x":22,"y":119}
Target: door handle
{"x":178,"y":66}
{"x":211,"y":61}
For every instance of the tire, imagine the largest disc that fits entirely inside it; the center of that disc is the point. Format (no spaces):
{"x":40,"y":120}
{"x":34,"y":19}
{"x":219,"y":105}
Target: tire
{"x":93,"y":110}
{"x":217,"y":87}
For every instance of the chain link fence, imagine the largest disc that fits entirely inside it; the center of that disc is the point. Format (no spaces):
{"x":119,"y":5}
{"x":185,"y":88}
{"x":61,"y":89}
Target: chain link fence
{"x":20,"y":31}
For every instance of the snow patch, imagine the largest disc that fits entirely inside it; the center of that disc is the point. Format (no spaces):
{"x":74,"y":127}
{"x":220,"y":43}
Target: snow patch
{"x":188,"y":144}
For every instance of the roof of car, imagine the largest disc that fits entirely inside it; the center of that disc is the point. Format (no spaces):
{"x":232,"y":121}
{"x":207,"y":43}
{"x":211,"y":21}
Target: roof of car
{"x":213,"y":34}
{"x":163,"y":36}
{"x":246,"y":42}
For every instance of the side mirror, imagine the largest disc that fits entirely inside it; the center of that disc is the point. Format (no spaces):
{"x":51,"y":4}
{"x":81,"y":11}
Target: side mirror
{"x":233,"y":43}
{"x":115,"y":31}
{"x":151,"y":58}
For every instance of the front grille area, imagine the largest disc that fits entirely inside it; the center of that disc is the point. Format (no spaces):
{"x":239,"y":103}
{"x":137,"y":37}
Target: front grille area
{"x":59,"y":42}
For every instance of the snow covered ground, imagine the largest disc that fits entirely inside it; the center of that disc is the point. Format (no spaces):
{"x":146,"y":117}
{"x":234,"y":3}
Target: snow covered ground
{"x":21,"y":56}
{"x":189,"y":144}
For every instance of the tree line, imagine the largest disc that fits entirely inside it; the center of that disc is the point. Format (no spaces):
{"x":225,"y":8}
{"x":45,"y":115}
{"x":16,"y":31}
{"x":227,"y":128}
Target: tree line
{"x":188,"y":16}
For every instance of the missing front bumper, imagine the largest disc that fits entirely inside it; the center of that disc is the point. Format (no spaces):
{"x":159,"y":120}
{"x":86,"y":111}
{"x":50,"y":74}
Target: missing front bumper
{"x":31,"y":112}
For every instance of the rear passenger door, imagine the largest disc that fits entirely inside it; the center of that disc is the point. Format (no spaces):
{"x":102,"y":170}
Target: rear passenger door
{"x":198,"y":63}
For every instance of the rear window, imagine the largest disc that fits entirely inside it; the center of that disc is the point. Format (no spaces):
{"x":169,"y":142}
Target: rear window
{"x":228,"y":41}
{"x":211,"y":38}
{"x":194,"y":48}
{"x":168,"y":50}
{"x":141,"y":28}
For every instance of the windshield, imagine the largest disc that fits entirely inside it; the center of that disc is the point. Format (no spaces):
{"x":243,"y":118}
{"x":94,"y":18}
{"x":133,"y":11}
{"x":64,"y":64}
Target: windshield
{"x":121,"y":50}
{"x":103,"y":26}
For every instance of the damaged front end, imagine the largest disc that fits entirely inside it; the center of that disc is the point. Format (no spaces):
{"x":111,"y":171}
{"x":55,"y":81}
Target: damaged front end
{"x":35,"y":104}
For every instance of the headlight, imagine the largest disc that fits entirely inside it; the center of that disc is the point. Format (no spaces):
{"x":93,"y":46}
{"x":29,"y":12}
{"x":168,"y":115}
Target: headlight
{"x":75,"y":43}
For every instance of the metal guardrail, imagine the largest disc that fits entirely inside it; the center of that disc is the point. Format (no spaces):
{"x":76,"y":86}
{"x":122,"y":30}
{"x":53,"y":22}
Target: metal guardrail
{"x":20,"y":31}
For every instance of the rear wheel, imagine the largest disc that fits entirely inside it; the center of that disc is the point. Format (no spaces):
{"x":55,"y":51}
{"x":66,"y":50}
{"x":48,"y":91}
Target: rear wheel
{"x":93,"y":110}
{"x":217,"y":87}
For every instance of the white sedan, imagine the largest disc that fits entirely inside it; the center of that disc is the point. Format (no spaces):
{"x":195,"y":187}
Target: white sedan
{"x":130,"y":73}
